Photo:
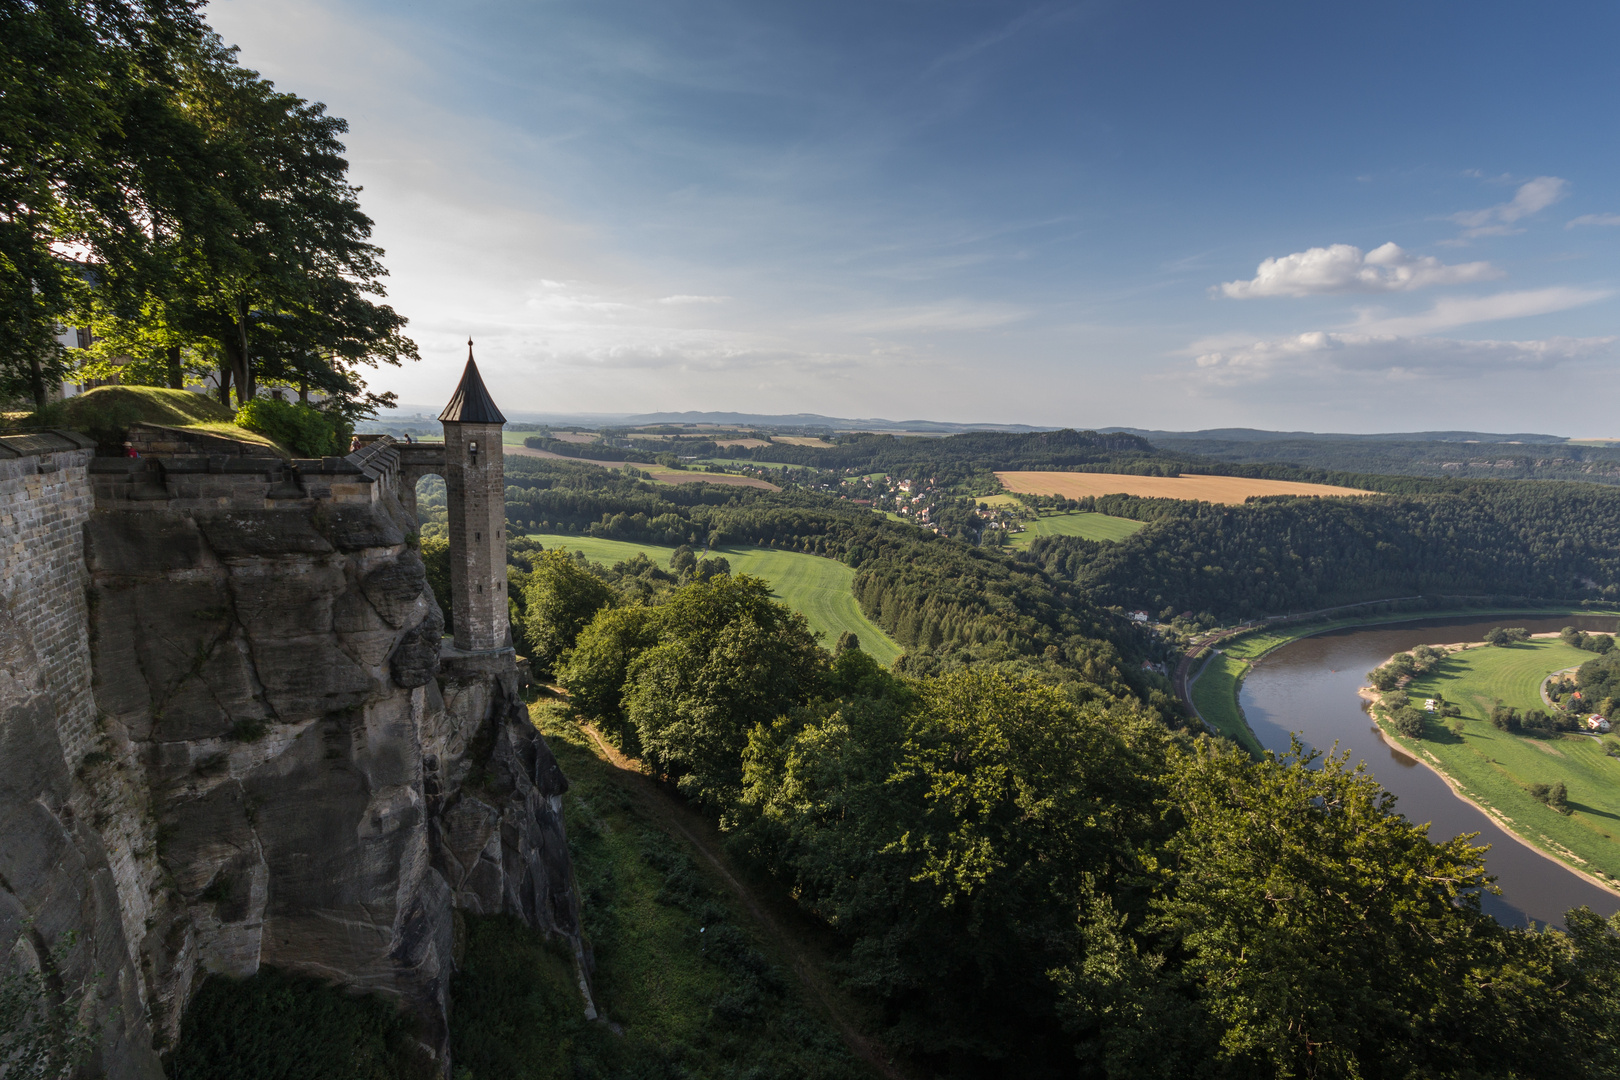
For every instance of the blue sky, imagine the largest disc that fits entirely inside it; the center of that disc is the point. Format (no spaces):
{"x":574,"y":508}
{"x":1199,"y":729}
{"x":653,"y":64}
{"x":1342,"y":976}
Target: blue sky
{"x":1353,"y":217}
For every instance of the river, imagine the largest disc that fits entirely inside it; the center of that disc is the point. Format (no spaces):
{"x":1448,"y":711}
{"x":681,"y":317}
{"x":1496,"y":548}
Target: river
{"x":1309,"y":687}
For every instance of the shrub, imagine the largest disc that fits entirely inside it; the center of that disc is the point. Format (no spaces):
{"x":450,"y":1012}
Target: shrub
{"x":280,"y":1025}
{"x":1505,"y":718}
{"x":1409,"y":722}
{"x":1397,"y":699}
{"x":303,"y":429}
{"x":1506,"y":635}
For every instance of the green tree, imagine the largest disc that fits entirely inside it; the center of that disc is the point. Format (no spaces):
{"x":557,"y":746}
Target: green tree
{"x":84,"y":126}
{"x":728,"y":657}
{"x":562,"y":597}
{"x":595,"y":669}
{"x":1326,"y":935}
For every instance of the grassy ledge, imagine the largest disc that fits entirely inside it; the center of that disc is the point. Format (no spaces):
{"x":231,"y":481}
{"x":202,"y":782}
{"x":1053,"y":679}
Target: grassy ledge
{"x":819,"y":588}
{"x":1494,"y":769}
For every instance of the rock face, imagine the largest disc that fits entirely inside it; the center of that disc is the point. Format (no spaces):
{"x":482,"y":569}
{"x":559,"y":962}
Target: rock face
{"x":287,"y":767}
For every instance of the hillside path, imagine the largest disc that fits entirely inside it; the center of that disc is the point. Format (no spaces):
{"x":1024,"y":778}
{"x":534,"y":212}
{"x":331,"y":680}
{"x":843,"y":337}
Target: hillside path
{"x":681,"y":819}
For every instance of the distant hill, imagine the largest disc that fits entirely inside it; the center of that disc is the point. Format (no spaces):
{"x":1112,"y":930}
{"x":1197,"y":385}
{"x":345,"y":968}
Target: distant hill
{"x":1256,"y":435}
{"x":730,"y":419}
{"x":1455,"y":454}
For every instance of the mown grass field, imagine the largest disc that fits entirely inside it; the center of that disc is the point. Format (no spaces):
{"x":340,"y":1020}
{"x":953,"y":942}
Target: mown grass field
{"x":1495,"y":767}
{"x":1086,"y":525}
{"x":818,"y":588}
{"x":1215,"y":489}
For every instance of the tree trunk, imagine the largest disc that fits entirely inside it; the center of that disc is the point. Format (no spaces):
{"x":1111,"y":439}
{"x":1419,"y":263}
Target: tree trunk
{"x":177,"y":380}
{"x":245,"y":387}
{"x":36,"y":382}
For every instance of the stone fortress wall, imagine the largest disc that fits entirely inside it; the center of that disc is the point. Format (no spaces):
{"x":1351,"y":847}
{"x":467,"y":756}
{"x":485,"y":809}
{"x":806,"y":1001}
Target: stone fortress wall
{"x":231,"y":734}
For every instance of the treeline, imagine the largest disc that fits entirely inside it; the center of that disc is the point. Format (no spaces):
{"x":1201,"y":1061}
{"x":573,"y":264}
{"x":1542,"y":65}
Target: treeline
{"x":1549,"y":460}
{"x":1524,"y":540}
{"x":1023,"y":883}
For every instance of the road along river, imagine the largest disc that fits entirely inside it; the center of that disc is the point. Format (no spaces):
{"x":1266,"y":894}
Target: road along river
{"x":1309,"y":687}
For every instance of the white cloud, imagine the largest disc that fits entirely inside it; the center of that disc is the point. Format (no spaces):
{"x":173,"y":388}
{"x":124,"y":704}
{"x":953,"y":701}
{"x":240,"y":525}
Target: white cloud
{"x":685,"y":299}
{"x":1452,"y":311}
{"x":1323,"y":355}
{"x":1343,"y":268}
{"x":1594,"y":219}
{"x":1532,"y":197}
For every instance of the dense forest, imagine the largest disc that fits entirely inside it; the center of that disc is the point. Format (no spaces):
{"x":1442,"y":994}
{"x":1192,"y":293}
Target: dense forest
{"x":1026,"y":883}
{"x":1526,"y":540}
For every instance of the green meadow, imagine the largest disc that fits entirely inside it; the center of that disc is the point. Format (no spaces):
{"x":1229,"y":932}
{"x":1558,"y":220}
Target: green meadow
{"x":1495,"y":768}
{"x":1086,"y":525}
{"x":818,"y":588}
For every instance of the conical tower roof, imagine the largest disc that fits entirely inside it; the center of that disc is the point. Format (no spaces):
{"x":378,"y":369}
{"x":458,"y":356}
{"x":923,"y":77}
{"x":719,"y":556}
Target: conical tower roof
{"x":471,"y":403}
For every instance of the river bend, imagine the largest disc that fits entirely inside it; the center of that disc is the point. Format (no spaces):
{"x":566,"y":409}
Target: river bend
{"x":1309,"y":687}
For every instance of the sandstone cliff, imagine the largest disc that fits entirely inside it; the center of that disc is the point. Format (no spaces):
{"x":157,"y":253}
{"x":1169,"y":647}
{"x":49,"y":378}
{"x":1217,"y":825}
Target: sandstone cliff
{"x":285,"y":764}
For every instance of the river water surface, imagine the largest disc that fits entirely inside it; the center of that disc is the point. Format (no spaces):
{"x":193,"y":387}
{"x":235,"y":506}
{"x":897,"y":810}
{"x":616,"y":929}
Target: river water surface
{"x":1310,"y":687}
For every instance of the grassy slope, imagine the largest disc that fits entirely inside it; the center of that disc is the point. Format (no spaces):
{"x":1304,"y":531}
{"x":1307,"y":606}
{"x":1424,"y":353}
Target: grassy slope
{"x":819,"y":588}
{"x":1089,"y":526}
{"x":1215,"y":695}
{"x":696,"y":985}
{"x":1492,"y":767}
{"x":120,"y":406}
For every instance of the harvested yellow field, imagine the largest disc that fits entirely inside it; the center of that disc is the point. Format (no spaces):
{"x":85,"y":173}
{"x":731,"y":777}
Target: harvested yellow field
{"x":1215,"y":489}
{"x":801,"y":440}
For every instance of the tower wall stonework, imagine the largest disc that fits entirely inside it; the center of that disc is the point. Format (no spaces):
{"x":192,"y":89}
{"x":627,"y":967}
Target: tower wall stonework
{"x":475,"y":494}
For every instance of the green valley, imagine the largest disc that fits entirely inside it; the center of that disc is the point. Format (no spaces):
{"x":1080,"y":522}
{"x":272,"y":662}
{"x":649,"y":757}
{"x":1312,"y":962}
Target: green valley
{"x":816,"y":587}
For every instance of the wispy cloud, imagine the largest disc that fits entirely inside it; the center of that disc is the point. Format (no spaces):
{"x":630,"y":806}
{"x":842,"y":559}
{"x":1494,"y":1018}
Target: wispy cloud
{"x":1322,"y":355}
{"x":1532,"y":197}
{"x":1453,"y":311}
{"x":1343,"y":268}
{"x":685,"y":299}
{"x":1593,"y":219}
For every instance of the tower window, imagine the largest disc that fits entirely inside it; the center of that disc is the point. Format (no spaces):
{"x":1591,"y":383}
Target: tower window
{"x":478,"y":537}
{"x":480,"y":588}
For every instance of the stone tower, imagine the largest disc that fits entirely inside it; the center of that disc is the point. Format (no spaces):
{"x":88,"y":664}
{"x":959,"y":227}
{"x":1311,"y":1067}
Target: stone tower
{"x":475,"y":488}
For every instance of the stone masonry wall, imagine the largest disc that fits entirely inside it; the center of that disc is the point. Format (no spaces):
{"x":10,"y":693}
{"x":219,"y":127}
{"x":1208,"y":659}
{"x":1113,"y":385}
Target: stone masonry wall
{"x":66,"y":866}
{"x":45,"y":502}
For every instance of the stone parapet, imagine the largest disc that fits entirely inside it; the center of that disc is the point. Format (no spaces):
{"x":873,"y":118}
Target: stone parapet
{"x":199,"y":482}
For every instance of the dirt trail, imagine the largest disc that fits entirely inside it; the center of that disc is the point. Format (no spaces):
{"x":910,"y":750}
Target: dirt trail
{"x":694,"y":830}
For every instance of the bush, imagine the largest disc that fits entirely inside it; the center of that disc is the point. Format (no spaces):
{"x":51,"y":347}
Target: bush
{"x":1505,"y":718}
{"x":1554,"y":795}
{"x":1397,"y":699}
{"x":280,"y":1025}
{"x":1506,"y":635}
{"x":303,"y":429}
{"x":1409,"y":722}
